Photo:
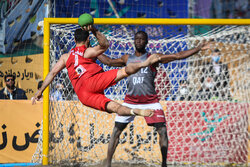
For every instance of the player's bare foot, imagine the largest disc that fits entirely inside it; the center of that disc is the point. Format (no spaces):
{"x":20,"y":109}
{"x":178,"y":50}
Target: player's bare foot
{"x":143,"y":113}
{"x":154,"y":58}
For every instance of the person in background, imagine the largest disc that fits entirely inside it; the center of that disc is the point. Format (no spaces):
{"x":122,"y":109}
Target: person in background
{"x":58,"y":93}
{"x":215,"y":79}
{"x":242,"y":9}
{"x":183,"y":92}
{"x":206,"y":91}
{"x":10,"y":91}
{"x":222,"y":9}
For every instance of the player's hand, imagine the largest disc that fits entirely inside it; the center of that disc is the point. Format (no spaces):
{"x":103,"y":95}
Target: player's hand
{"x":205,"y":45}
{"x":89,"y":28}
{"x":154,"y":58}
{"x":37,"y":97}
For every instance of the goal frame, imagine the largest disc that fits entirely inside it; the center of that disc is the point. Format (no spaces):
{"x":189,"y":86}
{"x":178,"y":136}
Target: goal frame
{"x":110,"y":21}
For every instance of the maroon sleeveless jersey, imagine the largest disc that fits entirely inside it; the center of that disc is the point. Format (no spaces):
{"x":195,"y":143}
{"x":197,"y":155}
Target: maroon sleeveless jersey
{"x":141,"y":87}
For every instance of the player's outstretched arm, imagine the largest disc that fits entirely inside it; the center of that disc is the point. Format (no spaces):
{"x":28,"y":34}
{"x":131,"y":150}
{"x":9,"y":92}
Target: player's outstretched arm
{"x":184,"y":54}
{"x":50,"y":76}
{"x":120,"y":62}
{"x":99,"y":49}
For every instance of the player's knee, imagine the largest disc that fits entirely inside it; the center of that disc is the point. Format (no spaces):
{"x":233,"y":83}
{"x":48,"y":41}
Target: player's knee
{"x":112,"y":106}
{"x":107,"y":107}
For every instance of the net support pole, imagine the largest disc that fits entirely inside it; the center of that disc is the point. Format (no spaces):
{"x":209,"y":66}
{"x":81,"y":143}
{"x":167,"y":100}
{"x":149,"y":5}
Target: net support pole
{"x":46,"y":94}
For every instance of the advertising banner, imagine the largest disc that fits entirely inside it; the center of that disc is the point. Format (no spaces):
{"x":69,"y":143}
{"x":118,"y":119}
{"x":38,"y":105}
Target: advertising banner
{"x":200,"y":132}
{"x":20,"y":122}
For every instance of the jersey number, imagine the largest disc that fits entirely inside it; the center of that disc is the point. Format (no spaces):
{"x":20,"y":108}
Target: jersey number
{"x":80,"y":69}
{"x":144,"y":70}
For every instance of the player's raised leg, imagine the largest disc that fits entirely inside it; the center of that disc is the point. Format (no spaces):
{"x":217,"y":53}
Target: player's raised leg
{"x":113,"y":106}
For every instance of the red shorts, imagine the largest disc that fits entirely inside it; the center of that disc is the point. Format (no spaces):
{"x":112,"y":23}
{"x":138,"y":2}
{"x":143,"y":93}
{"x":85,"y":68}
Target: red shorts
{"x":91,"y":92}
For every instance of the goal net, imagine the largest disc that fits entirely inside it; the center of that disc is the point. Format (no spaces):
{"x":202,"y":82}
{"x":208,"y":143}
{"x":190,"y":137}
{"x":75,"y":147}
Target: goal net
{"x":206,"y":103}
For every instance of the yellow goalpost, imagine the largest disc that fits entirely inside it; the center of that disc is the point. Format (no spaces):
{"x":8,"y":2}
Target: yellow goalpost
{"x":109,"y":21}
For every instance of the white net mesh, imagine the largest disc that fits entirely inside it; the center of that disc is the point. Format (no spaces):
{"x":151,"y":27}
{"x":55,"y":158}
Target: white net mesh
{"x":206,"y":104}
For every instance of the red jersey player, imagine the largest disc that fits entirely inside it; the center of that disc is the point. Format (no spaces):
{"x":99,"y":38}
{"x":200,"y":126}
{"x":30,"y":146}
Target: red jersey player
{"x":88,"y":78}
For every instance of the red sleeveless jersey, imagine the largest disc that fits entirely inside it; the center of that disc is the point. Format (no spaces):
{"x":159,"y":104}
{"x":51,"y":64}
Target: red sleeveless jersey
{"x":80,"y":68}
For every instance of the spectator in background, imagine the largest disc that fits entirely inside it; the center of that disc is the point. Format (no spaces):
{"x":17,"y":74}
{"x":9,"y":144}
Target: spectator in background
{"x":206,"y":91}
{"x":215,"y":79}
{"x":10,"y":91}
{"x":216,"y":9}
{"x":242,"y":9}
{"x":228,"y":9}
{"x":58,"y":93}
{"x":222,"y":9}
{"x":183,"y":91}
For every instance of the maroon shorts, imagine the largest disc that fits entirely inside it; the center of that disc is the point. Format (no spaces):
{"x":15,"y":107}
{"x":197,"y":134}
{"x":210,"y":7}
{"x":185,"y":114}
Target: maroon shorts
{"x":91,"y":92}
{"x":158,"y":117}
